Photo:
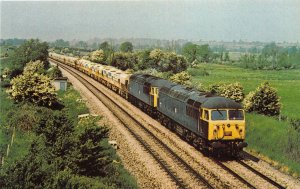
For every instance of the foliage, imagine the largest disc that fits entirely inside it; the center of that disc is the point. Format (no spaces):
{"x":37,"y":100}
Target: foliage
{"x":201,"y":53}
{"x":60,"y":43}
{"x":233,"y":91}
{"x":89,"y":156}
{"x":34,"y":67}
{"x":25,"y":116}
{"x":272,"y":57}
{"x":182,"y":78}
{"x":31,"y":50}
{"x":54,"y":72}
{"x":263,"y":100}
{"x":98,"y":56}
{"x":32,"y":87}
{"x":124,"y":61}
{"x":166,"y":61}
{"x":126,"y":47}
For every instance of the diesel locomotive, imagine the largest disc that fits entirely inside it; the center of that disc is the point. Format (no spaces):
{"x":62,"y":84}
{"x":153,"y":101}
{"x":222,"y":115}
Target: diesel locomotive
{"x":211,"y":123}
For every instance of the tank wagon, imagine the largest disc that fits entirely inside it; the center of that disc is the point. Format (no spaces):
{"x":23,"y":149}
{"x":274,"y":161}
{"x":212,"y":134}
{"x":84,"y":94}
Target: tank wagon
{"x":211,"y":123}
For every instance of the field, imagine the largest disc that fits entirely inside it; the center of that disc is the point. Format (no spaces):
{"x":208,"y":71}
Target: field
{"x":287,"y":82}
{"x":265,"y":135}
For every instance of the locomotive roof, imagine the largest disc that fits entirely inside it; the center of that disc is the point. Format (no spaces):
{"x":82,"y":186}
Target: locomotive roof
{"x":220,"y":102}
{"x":193,"y":97}
{"x":151,"y":80}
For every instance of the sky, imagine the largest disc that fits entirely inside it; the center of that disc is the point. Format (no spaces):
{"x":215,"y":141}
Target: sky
{"x":220,"y":20}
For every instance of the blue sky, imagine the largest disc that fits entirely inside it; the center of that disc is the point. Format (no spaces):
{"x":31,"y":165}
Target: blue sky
{"x":227,"y":20}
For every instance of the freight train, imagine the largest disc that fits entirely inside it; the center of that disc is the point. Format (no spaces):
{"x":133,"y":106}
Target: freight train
{"x":212,"y":124}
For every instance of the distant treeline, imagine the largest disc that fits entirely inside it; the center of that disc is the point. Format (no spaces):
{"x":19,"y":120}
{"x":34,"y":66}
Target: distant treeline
{"x":272,"y":57}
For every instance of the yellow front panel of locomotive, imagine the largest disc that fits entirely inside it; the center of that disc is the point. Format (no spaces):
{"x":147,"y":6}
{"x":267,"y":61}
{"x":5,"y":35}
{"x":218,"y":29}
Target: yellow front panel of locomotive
{"x":226,"y":129}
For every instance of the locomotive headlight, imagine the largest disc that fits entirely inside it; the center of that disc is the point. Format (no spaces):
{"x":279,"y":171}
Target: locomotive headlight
{"x":241,"y":131}
{"x":215,"y":133}
{"x":217,"y":127}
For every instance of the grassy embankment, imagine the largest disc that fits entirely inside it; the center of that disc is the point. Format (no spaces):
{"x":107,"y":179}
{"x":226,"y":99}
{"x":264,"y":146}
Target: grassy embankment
{"x":23,"y":140}
{"x":267,"y":136}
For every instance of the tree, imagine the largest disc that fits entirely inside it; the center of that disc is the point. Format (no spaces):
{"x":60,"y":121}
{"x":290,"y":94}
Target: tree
{"x":226,"y":56}
{"x":61,"y":43}
{"x":174,"y":63}
{"x":191,"y":51}
{"x":105,"y":46}
{"x":82,"y":45}
{"x":30,"y":50}
{"x":54,"y":72}
{"x":33,"y":87}
{"x":126,"y":47}
{"x":205,"y":53}
{"x":167,"y":61}
{"x":124,"y":61}
{"x":263,"y":100}
{"x":98,"y":56}
{"x":271,"y":51}
{"x":89,"y":156}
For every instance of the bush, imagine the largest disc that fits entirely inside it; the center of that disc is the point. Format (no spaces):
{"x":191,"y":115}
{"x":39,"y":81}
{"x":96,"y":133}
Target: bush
{"x":26,"y":116}
{"x":182,"y":78}
{"x":54,"y":72}
{"x":32,"y":86}
{"x":167,"y":61}
{"x":263,"y":100}
{"x":124,"y":61}
{"x":233,"y":91}
{"x":98,"y":56}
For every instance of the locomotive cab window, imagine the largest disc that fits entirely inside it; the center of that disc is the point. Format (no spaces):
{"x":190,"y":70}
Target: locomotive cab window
{"x":219,"y":115}
{"x":236,"y":115}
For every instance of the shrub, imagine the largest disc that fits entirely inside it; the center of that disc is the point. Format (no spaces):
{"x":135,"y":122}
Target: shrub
{"x":182,"y":78}
{"x":233,"y":91}
{"x":263,"y":100}
{"x":32,"y":86}
{"x":98,"y":56}
{"x":34,"y":67}
{"x":167,"y":61}
{"x":124,"y":61}
{"x":54,"y":72}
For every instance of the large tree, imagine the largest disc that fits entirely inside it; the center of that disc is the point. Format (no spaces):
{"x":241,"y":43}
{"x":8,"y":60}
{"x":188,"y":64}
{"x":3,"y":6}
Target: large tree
{"x":126,"y":47}
{"x":191,"y":51}
{"x":30,"y":50}
{"x":124,"y":61}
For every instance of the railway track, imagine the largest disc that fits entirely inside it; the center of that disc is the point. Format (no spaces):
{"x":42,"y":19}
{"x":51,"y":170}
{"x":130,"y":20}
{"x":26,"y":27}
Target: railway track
{"x":174,"y":167}
{"x":248,"y":167}
{"x":260,"y":174}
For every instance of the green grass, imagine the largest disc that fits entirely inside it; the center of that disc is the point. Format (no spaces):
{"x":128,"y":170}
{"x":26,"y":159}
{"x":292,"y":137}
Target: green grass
{"x":287,"y":82}
{"x":73,"y":106}
{"x":22,"y":140}
{"x":276,"y":139}
{"x":5,"y":105}
{"x":20,"y":147}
